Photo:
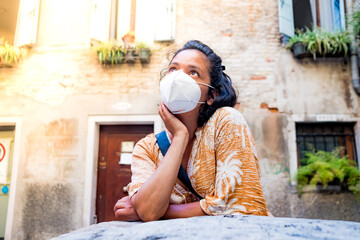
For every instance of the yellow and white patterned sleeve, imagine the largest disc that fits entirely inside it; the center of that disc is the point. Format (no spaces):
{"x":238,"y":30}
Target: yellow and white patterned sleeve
{"x":143,"y":163}
{"x":237,"y":185}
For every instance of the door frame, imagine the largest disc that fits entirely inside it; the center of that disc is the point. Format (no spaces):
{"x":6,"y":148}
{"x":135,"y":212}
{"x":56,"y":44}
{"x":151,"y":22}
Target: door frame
{"x":92,"y":149}
{"x":17,"y":123}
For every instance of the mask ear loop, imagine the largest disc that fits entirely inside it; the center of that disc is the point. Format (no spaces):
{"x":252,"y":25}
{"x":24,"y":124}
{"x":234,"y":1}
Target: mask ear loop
{"x":206,"y":85}
{"x":210,"y":91}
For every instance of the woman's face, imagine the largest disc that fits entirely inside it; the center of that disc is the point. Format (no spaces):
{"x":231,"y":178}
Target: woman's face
{"x":196,"y":65}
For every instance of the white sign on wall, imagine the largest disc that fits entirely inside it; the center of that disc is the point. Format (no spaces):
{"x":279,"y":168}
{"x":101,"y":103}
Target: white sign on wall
{"x":4,"y":159}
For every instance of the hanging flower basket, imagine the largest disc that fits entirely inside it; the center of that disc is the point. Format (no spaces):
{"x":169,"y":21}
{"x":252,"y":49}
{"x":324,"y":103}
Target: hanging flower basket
{"x":117,"y":53}
{"x":299,"y":50}
{"x":9,"y":55}
{"x":144,"y":55}
{"x":110,"y":53}
{"x":329,"y":172}
{"x":130,"y":56}
{"x":319,"y":43}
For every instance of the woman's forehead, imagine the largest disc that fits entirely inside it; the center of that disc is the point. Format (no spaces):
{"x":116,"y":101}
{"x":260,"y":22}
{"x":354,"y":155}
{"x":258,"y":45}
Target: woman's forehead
{"x":191,"y":57}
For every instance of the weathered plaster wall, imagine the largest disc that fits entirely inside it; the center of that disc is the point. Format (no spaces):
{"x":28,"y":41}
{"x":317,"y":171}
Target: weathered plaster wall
{"x":310,"y":87}
{"x":54,"y":90}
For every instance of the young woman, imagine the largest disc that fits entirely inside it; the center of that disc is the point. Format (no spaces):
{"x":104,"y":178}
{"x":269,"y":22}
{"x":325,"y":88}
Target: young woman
{"x":209,"y":138}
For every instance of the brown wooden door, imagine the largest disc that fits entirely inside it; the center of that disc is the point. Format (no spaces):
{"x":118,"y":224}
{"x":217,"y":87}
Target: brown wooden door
{"x":113,"y":177}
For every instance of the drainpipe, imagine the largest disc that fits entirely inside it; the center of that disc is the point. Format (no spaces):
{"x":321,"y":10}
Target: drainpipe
{"x":353,"y":51}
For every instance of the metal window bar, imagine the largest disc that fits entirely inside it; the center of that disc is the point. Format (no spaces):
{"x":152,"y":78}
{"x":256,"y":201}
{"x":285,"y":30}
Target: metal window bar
{"x":325,"y":137}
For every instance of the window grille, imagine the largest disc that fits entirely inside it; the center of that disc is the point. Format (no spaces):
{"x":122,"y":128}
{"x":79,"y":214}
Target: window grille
{"x":326,"y":136}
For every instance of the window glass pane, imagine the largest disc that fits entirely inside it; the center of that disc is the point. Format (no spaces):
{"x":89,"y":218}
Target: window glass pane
{"x":301,"y":147}
{"x":309,"y":143}
{"x":302,"y":14}
{"x":330,"y":144}
{"x":327,"y":14}
{"x":320,"y":144}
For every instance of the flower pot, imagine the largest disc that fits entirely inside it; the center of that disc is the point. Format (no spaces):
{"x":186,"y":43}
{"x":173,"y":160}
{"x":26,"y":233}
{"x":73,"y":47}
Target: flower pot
{"x":299,"y":50}
{"x":4,"y":64}
{"x":119,"y":57}
{"x":130,"y":57}
{"x":101,"y":58}
{"x":335,"y":55}
{"x":329,"y":188}
{"x":144,"y":55}
{"x":333,"y":186}
{"x":112,"y":59}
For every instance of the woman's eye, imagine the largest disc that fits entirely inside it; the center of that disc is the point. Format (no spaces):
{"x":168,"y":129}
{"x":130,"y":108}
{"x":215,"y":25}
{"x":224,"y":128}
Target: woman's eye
{"x":172,"y":69}
{"x":194,"y":73}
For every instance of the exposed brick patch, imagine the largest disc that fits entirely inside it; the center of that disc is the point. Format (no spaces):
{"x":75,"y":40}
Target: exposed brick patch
{"x":258,"y":77}
{"x":274,"y":110}
{"x":264,"y":105}
{"x":227,"y":33}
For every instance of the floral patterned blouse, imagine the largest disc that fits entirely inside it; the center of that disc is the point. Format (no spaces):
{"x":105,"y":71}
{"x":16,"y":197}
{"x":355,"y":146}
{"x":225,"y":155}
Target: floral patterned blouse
{"x":223,"y":167}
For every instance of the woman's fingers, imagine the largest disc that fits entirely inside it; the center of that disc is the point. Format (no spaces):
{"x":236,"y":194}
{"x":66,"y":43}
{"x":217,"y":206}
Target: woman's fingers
{"x":124,"y":210}
{"x":161,"y":112}
{"x":167,"y":114}
{"x":172,"y":123}
{"x":122,"y":203}
{"x":120,"y":213}
{"x":119,"y":204}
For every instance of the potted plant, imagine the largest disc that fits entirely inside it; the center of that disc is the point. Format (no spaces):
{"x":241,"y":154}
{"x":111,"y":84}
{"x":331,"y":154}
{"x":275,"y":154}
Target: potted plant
{"x":143,"y":52}
{"x":323,"y":168}
{"x":298,"y":47}
{"x":319,"y":43}
{"x":131,"y":54}
{"x":9,"y":55}
{"x":110,"y":53}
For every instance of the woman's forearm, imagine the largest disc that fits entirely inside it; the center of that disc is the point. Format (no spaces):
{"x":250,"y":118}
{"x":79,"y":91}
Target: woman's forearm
{"x":152,"y":199}
{"x":184,"y":211}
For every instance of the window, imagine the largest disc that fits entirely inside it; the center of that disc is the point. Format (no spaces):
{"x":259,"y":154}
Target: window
{"x":299,"y":14}
{"x":151,"y":20}
{"x":18,"y":21}
{"x":326,"y":137}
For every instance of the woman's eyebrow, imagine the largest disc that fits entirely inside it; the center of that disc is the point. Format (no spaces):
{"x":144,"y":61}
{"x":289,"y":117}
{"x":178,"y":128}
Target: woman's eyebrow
{"x":174,"y":63}
{"x":196,"y":67}
{"x":188,"y":66}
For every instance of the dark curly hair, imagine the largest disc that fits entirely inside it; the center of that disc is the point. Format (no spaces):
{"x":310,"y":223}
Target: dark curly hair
{"x":218,"y":79}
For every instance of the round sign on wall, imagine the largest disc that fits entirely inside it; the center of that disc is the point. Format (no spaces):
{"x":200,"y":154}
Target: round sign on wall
{"x":2,"y":152}
{"x":5,"y":189}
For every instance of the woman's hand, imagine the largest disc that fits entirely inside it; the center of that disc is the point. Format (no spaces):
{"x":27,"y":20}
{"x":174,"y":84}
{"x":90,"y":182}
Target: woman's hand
{"x":124,"y":210}
{"x":173,"y":124}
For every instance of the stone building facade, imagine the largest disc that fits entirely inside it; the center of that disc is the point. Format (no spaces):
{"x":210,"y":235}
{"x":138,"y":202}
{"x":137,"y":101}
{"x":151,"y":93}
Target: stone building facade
{"x":53,"y":102}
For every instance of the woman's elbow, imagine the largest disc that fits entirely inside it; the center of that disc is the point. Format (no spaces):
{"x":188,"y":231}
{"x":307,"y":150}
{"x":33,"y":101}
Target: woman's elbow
{"x":147,"y":213}
{"x":149,"y":217}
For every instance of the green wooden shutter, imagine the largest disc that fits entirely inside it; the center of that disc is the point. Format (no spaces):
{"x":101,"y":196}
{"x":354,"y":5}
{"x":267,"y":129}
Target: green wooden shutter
{"x":286,"y":17}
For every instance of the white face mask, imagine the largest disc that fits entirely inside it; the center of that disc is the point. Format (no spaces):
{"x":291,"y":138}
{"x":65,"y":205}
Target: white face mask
{"x":180,"y":92}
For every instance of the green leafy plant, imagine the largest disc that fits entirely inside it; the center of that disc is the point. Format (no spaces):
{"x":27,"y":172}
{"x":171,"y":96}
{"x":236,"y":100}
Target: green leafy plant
{"x":322,"y":43}
{"x":353,"y":20}
{"x":118,"y":52}
{"x":327,"y":167}
{"x":141,"y":45}
{"x":143,"y":50}
{"x":9,"y":55}
{"x":110,"y":52}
